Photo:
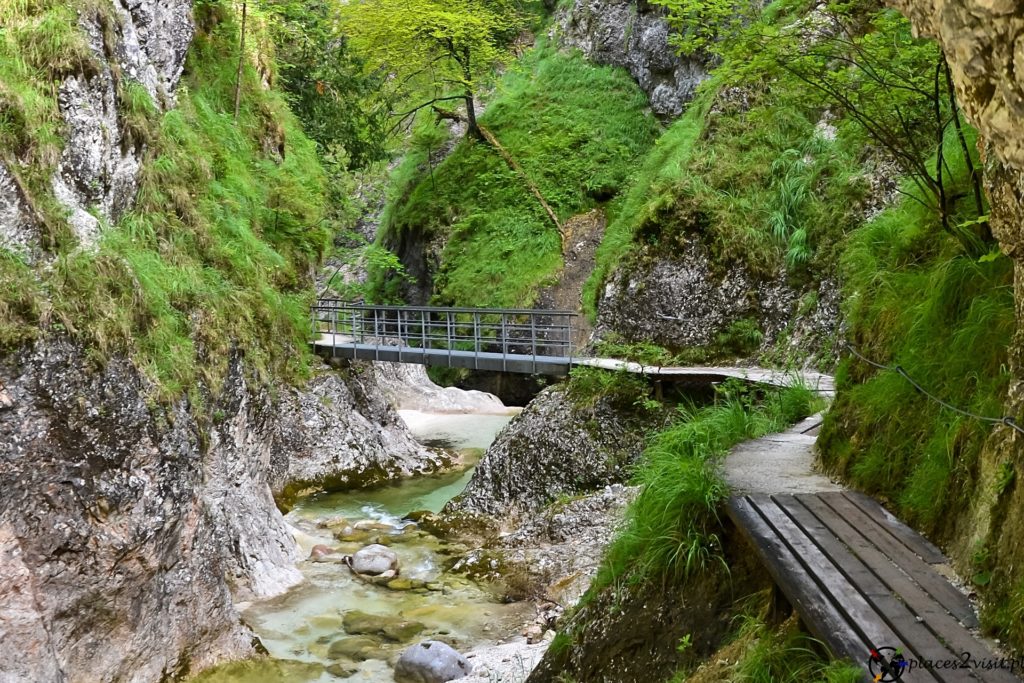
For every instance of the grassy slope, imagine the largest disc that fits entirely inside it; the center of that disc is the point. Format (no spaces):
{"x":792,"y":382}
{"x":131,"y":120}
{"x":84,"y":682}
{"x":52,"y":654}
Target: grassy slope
{"x":577,"y":148}
{"x":215,"y":252}
{"x":913,"y":299}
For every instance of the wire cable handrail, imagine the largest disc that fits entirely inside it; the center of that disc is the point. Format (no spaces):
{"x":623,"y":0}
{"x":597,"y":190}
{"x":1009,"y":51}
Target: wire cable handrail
{"x":1006,"y":420}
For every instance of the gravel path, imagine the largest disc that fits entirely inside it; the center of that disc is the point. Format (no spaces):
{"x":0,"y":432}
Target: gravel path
{"x":778,"y":463}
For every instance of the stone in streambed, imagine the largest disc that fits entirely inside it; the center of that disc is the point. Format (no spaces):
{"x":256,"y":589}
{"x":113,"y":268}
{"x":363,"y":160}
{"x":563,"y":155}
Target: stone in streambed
{"x":431,"y":662}
{"x":321,"y":553}
{"x":374,"y":560}
{"x":341,"y":670}
{"x":404,"y":584}
{"x":356,"y":648}
{"x":392,"y":628}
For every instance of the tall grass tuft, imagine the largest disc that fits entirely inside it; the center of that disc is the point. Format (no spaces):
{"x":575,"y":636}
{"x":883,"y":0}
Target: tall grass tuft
{"x":672,"y":527}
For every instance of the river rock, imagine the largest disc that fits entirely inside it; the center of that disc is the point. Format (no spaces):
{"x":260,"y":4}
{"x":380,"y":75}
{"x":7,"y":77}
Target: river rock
{"x":320,"y":553}
{"x":431,"y":662}
{"x":405,"y":584}
{"x":356,"y":648}
{"x":393,"y":628}
{"x":374,"y":560}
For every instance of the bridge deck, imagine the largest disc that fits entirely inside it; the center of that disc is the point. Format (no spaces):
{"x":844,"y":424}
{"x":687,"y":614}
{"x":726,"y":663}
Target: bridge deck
{"x":451,"y":358}
{"x":862,"y":581}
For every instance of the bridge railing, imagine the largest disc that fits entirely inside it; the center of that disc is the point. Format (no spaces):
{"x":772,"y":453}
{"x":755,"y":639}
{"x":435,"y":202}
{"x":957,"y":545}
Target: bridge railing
{"x":514,"y":333}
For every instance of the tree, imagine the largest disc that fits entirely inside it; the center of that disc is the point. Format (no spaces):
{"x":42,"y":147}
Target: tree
{"x":863,"y":64}
{"x":326,"y":85}
{"x":432,"y":51}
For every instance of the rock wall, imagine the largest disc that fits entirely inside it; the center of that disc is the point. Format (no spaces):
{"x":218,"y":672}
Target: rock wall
{"x":684,"y":301}
{"x":552,"y":448}
{"x":634,"y":35}
{"x":128,"y":529}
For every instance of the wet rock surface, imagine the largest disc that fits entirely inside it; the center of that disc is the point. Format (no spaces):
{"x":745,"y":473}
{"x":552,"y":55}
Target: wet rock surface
{"x":634,"y":35}
{"x":686,"y":301}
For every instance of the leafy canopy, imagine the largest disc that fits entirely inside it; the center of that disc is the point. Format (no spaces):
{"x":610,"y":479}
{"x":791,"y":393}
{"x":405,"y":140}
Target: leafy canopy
{"x":433,"y":50}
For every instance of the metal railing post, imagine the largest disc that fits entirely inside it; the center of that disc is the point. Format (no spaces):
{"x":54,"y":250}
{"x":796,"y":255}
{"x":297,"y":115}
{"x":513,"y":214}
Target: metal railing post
{"x":376,"y":335}
{"x":401,"y":342}
{"x":504,"y":345}
{"x":476,"y":340}
{"x":451,"y":335}
{"x":533,"y":340}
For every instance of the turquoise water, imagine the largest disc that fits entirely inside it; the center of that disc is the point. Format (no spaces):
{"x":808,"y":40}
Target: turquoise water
{"x":298,"y":627}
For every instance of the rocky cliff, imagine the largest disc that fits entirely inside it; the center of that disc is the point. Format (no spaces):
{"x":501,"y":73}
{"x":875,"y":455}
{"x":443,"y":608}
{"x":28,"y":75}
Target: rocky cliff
{"x":634,"y":35}
{"x":128,"y":528}
{"x":553,"y":448}
{"x":140,"y":44}
{"x":982,"y":40}
{"x":135,"y":513}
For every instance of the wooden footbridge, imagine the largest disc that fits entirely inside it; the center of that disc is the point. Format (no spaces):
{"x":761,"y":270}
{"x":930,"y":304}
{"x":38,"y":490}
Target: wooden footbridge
{"x":504,"y":340}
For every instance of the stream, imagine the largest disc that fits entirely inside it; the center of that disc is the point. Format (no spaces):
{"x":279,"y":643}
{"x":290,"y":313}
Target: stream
{"x":305,"y":630}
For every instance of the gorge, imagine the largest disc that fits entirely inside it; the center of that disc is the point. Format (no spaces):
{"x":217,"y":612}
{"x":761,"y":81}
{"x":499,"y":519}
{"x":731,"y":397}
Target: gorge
{"x":184,"y":483}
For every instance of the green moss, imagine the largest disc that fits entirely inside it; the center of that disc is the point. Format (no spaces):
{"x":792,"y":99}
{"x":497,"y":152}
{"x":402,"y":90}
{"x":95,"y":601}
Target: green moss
{"x":577,"y":148}
{"x":215,"y":254}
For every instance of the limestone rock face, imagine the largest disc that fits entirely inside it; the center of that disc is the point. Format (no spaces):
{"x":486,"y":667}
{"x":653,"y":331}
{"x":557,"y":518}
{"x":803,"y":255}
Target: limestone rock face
{"x":142,"y":43}
{"x":684,"y":301}
{"x":552,"y":448}
{"x":349,"y":436}
{"x":634,"y":35}
{"x":128,"y":529}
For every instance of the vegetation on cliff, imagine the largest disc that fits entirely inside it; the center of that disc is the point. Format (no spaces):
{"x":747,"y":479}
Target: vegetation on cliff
{"x":214,"y":254}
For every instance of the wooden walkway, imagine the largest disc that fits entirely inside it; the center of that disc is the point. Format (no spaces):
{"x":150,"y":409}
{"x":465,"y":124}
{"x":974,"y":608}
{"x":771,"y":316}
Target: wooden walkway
{"x":866,"y":584}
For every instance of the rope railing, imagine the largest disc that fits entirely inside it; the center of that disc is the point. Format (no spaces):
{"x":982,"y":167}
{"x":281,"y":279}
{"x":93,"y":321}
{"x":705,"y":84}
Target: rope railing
{"x":1006,"y":420}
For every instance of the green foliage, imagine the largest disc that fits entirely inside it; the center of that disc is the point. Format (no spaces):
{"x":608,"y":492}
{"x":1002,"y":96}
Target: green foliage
{"x":215,"y":253}
{"x":915,"y":299}
{"x":741,"y":337}
{"x":700,"y":24}
{"x":787,"y":654}
{"x":440,"y":50}
{"x":621,"y":389}
{"x":327,"y":87}
{"x":647,"y":196}
{"x":672,"y":527}
{"x":577,"y":148}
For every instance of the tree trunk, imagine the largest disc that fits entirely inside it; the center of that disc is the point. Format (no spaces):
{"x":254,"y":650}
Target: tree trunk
{"x":241,"y":63}
{"x":472,"y":128}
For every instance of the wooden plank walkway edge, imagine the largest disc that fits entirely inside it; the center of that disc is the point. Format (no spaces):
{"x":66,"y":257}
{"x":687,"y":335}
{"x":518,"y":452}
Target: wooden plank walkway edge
{"x":863,"y":582}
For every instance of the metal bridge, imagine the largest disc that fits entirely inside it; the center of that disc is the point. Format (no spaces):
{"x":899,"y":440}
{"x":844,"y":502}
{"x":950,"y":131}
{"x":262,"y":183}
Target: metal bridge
{"x":503,"y":340}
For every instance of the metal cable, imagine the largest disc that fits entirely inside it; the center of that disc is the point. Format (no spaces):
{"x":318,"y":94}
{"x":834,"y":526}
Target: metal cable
{"x":1007,"y":420}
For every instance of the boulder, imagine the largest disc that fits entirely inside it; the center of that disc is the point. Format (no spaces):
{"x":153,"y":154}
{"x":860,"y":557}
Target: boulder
{"x":357,"y":648}
{"x":374,"y":560}
{"x":392,"y":628}
{"x":320,"y":553}
{"x":431,"y":662}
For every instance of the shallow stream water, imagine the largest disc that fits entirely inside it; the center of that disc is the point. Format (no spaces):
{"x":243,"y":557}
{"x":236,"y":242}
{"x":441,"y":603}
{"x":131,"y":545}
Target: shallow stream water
{"x":299,"y":628}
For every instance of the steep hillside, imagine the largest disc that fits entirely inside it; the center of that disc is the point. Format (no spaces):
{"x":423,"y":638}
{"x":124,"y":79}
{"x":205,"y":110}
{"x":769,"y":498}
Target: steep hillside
{"x":156,"y":254}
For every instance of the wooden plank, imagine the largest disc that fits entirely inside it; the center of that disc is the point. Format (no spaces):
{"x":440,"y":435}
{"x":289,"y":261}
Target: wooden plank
{"x":913,"y":636}
{"x":826,"y":622}
{"x":923,"y":573}
{"x":914,"y":541}
{"x":874,"y":632}
{"x":938,"y":621}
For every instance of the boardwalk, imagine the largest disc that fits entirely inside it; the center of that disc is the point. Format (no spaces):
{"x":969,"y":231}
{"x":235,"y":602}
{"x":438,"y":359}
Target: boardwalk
{"x":861,"y":580}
